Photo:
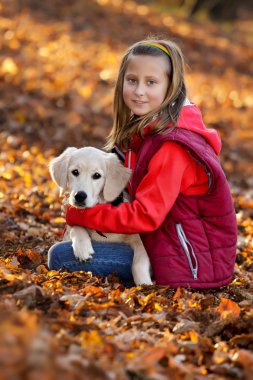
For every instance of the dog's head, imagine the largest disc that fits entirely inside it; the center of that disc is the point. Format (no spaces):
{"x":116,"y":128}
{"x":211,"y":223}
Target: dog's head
{"x":90,"y":175}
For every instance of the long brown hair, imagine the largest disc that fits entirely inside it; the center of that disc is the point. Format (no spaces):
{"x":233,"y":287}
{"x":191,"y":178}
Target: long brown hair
{"x":125,"y":124}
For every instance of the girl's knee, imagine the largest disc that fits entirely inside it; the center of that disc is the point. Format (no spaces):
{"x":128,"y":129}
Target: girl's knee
{"x":53,"y":260}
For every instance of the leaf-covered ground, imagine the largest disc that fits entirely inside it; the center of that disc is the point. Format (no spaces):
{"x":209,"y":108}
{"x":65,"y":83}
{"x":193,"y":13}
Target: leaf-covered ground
{"x":58,"y":61}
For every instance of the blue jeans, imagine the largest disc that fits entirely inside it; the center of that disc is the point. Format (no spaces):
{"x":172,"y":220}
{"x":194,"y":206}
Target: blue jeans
{"x":108,"y":258}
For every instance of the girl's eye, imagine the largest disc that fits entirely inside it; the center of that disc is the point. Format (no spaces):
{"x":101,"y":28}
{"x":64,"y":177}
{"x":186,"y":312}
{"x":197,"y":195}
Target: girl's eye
{"x":96,"y":176}
{"x":150,"y":82}
{"x":75,"y":172}
{"x":130,"y":80}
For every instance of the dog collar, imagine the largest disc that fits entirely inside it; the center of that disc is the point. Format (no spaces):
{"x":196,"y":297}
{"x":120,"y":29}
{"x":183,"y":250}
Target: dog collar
{"x":101,"y":234}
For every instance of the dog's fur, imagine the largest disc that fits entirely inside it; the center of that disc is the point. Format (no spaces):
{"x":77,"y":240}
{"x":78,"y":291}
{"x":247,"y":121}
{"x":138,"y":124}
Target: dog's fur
{"x":93,"y":176}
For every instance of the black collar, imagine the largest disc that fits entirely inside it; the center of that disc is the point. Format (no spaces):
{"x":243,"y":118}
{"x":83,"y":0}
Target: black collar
{"x":118,"y":200}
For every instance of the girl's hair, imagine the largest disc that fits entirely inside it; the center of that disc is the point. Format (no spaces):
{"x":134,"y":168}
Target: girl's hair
{"x":125,"y":124}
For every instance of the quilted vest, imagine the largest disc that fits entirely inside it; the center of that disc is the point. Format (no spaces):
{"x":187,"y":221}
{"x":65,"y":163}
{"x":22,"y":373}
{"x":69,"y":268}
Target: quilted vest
{"x":196,"y":244}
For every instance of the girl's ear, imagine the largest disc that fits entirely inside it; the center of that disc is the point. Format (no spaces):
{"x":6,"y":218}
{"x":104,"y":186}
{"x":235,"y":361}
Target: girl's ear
{"x":58,"y":168}
{"x":117,"y":177}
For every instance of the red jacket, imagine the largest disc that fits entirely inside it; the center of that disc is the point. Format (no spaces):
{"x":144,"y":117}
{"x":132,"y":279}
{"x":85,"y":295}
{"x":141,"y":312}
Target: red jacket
{"x":171,"y":171}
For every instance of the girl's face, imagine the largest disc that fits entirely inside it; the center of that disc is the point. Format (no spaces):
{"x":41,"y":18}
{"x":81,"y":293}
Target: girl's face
{"x":145,"y":83}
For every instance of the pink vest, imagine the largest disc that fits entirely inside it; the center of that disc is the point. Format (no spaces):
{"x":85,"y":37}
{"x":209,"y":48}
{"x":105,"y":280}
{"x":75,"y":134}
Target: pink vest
{"x":196,"y":244}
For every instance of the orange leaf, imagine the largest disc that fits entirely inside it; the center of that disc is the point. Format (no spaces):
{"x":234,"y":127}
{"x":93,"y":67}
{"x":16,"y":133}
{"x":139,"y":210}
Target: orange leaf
{"x":153,"y":355}
{"x":94,"y":290}
{"x":178,"y":294}
{"x":228,"y":309}
{"x":34,"y":256}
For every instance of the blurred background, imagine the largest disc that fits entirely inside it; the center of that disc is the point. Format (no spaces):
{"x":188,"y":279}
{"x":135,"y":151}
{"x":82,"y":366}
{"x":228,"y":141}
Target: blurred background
{"x":59,"y":60}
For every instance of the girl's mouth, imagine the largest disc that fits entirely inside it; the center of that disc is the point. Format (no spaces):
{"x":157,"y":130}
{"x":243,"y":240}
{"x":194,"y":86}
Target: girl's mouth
{"x":139,"y":101}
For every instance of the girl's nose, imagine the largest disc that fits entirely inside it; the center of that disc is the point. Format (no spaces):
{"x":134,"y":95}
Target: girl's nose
{"x":139,"y":89}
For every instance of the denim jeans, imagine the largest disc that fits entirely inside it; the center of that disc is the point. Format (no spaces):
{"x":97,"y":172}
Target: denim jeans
{"x":108,"y":258}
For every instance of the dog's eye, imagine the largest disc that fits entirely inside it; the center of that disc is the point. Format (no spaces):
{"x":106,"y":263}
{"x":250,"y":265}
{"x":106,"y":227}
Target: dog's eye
{"x":75,"y":172}
{"x":96,"y":176}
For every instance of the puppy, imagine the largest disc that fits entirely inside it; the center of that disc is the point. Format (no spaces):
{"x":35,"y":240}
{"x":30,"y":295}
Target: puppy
{"x":92,"y":176}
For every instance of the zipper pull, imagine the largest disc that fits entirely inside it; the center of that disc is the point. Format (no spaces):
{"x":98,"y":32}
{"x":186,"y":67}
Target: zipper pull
{"x":195,"y":273}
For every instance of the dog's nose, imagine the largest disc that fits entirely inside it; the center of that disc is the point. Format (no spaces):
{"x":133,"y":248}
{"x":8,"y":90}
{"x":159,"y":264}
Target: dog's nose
{"x":80,"y":196}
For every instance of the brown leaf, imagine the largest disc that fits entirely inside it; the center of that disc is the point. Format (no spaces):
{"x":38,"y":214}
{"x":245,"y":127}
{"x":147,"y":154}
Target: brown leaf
{"x":243,"y":340}
{"x":185,"y":325}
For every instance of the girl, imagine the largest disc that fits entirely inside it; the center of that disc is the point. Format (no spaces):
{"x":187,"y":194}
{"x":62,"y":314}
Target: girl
{"x":180,"y":200}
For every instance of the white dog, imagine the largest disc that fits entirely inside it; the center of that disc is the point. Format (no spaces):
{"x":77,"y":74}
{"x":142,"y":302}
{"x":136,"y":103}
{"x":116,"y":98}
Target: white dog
{"x":93,"y":176}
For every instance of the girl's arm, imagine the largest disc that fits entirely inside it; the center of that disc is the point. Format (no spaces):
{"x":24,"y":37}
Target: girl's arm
{"x":170,"y":172}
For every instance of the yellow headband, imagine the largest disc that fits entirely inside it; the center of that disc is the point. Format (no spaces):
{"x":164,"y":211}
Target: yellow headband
{"x":158,"y":46}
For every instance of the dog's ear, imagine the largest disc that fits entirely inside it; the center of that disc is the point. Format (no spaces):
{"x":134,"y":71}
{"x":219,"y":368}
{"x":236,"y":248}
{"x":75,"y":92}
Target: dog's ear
{"x":117,"y":177}
{"x":58,"y":168}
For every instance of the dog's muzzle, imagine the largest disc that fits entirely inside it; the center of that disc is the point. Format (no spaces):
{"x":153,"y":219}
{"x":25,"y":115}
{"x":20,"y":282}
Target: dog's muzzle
{"x":80,"y":198}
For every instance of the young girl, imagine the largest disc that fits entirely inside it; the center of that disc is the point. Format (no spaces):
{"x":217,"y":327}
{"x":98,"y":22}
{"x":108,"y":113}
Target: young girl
{"x":180,"y":200}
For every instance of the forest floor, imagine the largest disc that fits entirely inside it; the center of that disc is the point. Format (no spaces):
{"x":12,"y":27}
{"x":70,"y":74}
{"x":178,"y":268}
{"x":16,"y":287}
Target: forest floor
{"x":58,"y":62}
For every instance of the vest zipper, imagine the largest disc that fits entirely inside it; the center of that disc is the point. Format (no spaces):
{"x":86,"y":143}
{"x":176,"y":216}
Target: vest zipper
{"x":188,"y":250}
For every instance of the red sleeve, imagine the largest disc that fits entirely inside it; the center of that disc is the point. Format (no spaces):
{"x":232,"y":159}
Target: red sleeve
{"x":169,"y":172}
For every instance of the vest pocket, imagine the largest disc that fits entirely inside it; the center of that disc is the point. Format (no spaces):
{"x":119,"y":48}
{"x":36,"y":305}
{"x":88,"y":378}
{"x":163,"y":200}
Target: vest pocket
{"x":188,"y":250}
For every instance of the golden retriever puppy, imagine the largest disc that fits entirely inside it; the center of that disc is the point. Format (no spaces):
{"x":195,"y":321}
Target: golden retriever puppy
{"x":92,"y":176}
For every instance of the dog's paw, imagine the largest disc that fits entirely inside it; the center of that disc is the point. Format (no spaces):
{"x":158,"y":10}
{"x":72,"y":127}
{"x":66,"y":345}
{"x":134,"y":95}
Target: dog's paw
{"x":141,"y":275}
{"x":143,"y":280}
{"x":82,"y":249}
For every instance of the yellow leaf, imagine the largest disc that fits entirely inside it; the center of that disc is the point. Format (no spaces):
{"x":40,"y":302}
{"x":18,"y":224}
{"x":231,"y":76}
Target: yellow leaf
{"x":86,"y":91}
{"x":9,"y":66}
{"x":90,"y":339}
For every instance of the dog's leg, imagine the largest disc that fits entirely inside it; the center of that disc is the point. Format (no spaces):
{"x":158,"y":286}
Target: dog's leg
{"x":141,"y":267}
{"x":81,"y":243}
